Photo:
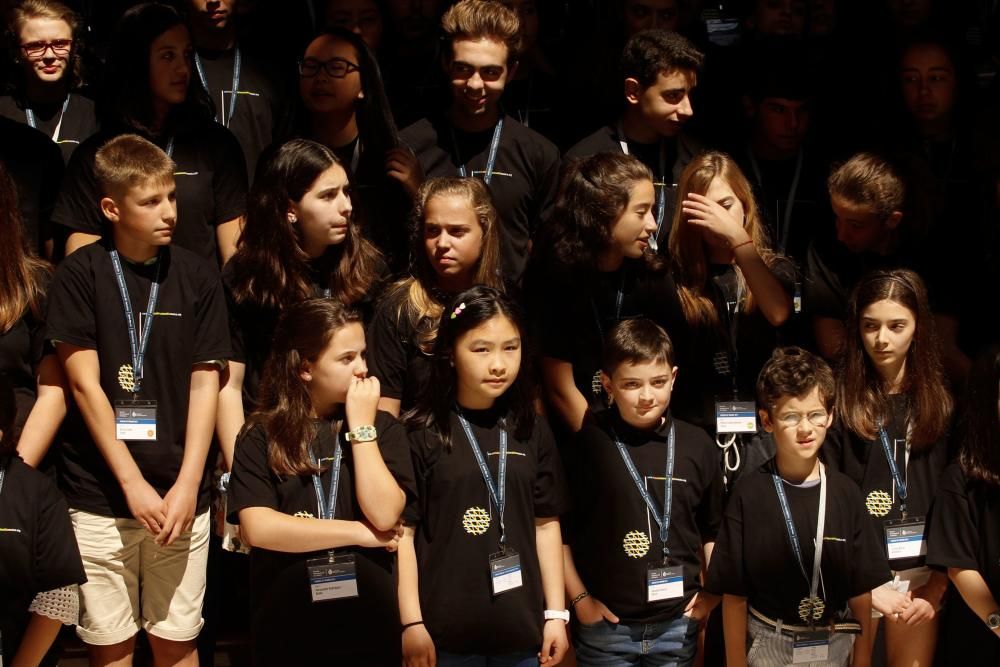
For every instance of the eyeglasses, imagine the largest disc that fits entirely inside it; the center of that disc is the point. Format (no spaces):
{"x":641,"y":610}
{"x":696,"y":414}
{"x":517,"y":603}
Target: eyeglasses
{"x":60,"y":47}
{"x":338,"y":68}
{"x":793,"y":419}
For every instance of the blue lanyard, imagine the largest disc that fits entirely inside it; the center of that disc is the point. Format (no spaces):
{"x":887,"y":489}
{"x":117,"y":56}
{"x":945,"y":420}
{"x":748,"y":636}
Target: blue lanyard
{"x":618,"y":307}
{"x":661,"y":189}
{"x":170,"y":148}
{"x":237,"y":66}
{"x":793,"y":535}
{"x":138,"y":348}
{"x":497,"y":494}
{"x":668,"y":488}
{"x":29,"y":115}
{"x":328,"y":508}
{"x":490,"y":161}
{"x":894,"y":469}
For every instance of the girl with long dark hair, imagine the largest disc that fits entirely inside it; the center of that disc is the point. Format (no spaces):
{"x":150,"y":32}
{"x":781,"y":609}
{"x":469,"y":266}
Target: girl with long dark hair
{"x":149,"y":88}
{"x":343,"y":106}
{"x":319,"y":481}
{"x":480,"y":560}
{"x":893,"y":412}
{"x":45,"y":38}
{"x":299,"y":241}
{"x":963,"y":534}
{"x":595,"y":265}
{"x":456,"y":244}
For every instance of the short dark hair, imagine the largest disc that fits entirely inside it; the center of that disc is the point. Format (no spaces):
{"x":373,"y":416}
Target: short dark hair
{"x":636,"y":341}
{"x":792,"y":371}
{"x":650,"y":52}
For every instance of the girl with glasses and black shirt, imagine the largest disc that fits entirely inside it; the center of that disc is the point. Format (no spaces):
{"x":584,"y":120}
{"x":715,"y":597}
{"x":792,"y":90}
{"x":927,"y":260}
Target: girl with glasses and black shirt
{"x":45,"y":38}
{"x":893,"y":411}
{"x":480,"y":561}
{"x":319,"y":482}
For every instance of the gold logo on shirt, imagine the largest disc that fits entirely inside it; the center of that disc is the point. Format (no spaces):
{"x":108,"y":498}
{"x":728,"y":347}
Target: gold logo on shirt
{"x":476,"y":521}
{"x":304,"y":515}
{"x":126,"y":378}
{"x":636,"y":544}
{"x":879,"y":503}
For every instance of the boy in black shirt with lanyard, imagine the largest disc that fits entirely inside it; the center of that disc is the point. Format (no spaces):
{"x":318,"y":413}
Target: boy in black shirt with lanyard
{"x":628,"y":589}
{"x":660,"y":70}
{"x":795,"y":549}
{"x":475,"y":138}
{"x":140,"y":328}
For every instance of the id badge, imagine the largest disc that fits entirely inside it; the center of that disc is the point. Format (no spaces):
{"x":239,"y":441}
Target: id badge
{"x":812,"y":646}
{"x":135,"y":420}
{"x":664,"y":583}
{"x":797,"y":299}
{"x":905,"y":538}
{"x":736,"y":417}
{"x":505,"y":571}
{"x":333,"y":577}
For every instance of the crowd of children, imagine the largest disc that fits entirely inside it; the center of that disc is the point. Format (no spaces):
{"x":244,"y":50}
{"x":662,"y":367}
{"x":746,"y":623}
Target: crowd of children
{"x":499,"y":333}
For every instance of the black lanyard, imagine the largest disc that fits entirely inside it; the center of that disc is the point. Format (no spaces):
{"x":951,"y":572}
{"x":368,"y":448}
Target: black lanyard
{"x":138,"y":347}
{"x":668,"y":488}
{"x":498,"y":492}
{"x":897,"y":477}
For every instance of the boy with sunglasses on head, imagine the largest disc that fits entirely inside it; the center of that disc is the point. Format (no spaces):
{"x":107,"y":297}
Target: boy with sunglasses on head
{"x":795,"y":558}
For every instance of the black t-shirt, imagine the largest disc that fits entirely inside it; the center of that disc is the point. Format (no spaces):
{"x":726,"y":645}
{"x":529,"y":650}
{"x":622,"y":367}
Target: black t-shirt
{"x":259,"y":100}
{"x":965,"y":534}
{"x":394,"y":354}
{"x":575,"y":318}
{"x":36,"y":167}
{"x":524,"y":179}
{"x":607,"y":507}
{"x":85,"y":310}
{"x":711,"y":361}
{"x":38,"y":550}
{"x":21,"y":350}
{"x":75,"y":125}
{"x":459,"y":609}
{"x":678,"y":153}
{"x":753,"y":556}
{"x":864,"y":462}
{"x":287,"y":628}
{"x":211,"y":187}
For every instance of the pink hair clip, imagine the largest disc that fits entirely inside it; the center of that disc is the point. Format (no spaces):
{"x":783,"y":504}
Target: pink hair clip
{"x":458,"y":310}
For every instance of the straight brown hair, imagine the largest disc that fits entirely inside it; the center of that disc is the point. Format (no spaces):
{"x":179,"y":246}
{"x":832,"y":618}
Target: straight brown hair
{"x":22,"y":274}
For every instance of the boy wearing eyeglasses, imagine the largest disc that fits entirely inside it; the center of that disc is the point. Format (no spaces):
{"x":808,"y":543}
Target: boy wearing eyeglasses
{"x":473,"y":138}
{"x":795,"y":559}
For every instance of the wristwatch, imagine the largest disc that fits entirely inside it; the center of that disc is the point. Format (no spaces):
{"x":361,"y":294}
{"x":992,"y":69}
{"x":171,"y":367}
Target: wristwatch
{"x":560,"y":614}
{"x":993,"y":620}
{"x":362,"y":434}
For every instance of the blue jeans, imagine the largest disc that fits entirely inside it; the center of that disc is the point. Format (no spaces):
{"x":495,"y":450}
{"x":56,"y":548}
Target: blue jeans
{"x":668,"y":644}
{"x":507,"y":660}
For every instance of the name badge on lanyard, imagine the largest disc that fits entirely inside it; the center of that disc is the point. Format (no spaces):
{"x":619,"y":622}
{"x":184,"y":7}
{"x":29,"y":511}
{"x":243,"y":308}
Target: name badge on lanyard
{"x":333,"y":577}
{"x":505,"y":571}
{"x":736,"y":417}
{"x":664,"y":583}
{"x":905,"y":538}
{"x":135,"y":420}
{"x":811,"y":646}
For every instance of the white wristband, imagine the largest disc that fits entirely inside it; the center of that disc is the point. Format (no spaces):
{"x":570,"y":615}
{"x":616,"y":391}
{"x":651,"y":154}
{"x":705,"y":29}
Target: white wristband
{"x":557,"y":614}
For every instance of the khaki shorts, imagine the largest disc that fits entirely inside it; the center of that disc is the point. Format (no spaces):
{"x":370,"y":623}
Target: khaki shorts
{"x":134,"y":583}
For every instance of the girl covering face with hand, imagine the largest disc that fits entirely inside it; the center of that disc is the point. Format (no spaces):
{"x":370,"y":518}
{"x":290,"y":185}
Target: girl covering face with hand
{"x":480,"y":561}
{"x":319,"y":481}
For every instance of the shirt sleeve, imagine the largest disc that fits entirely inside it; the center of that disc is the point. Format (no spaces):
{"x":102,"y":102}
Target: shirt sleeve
{"x":413,"y":512}
{"x":229,"y":178}
{"x":551,"y":492}
{"x":709,"y":513}
{"x":251,"y":483}
{"x":57,"y":556}
{"x":387,"y":359}
{"x":580,"y":479}
{"x":70,"y":317}
{"x":77,"y":206}
{"x":953,"y":536}
{"x":821,"y":295}
{"x":726,"y":572}
{"x":212,"y":336}
{"x":394,"y":445}
{"x":545,"y":194}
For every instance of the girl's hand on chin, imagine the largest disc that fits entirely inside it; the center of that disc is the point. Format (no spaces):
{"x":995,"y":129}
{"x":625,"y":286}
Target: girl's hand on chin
{"x":362,"y":402}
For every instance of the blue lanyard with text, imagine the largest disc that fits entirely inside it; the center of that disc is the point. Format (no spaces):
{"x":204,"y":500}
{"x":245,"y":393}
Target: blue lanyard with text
{"x":793,"y":536}
{"x":490,"y":161}
{"x":328,"y":508}
{"x":661,"y":189}
{"x":138,"y":348}
{"x":498,"y":492}
{"x":668,"y":488}
{"x":29,"y":114}
{"x":897,"y":478}
{"x":237,"y":66}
